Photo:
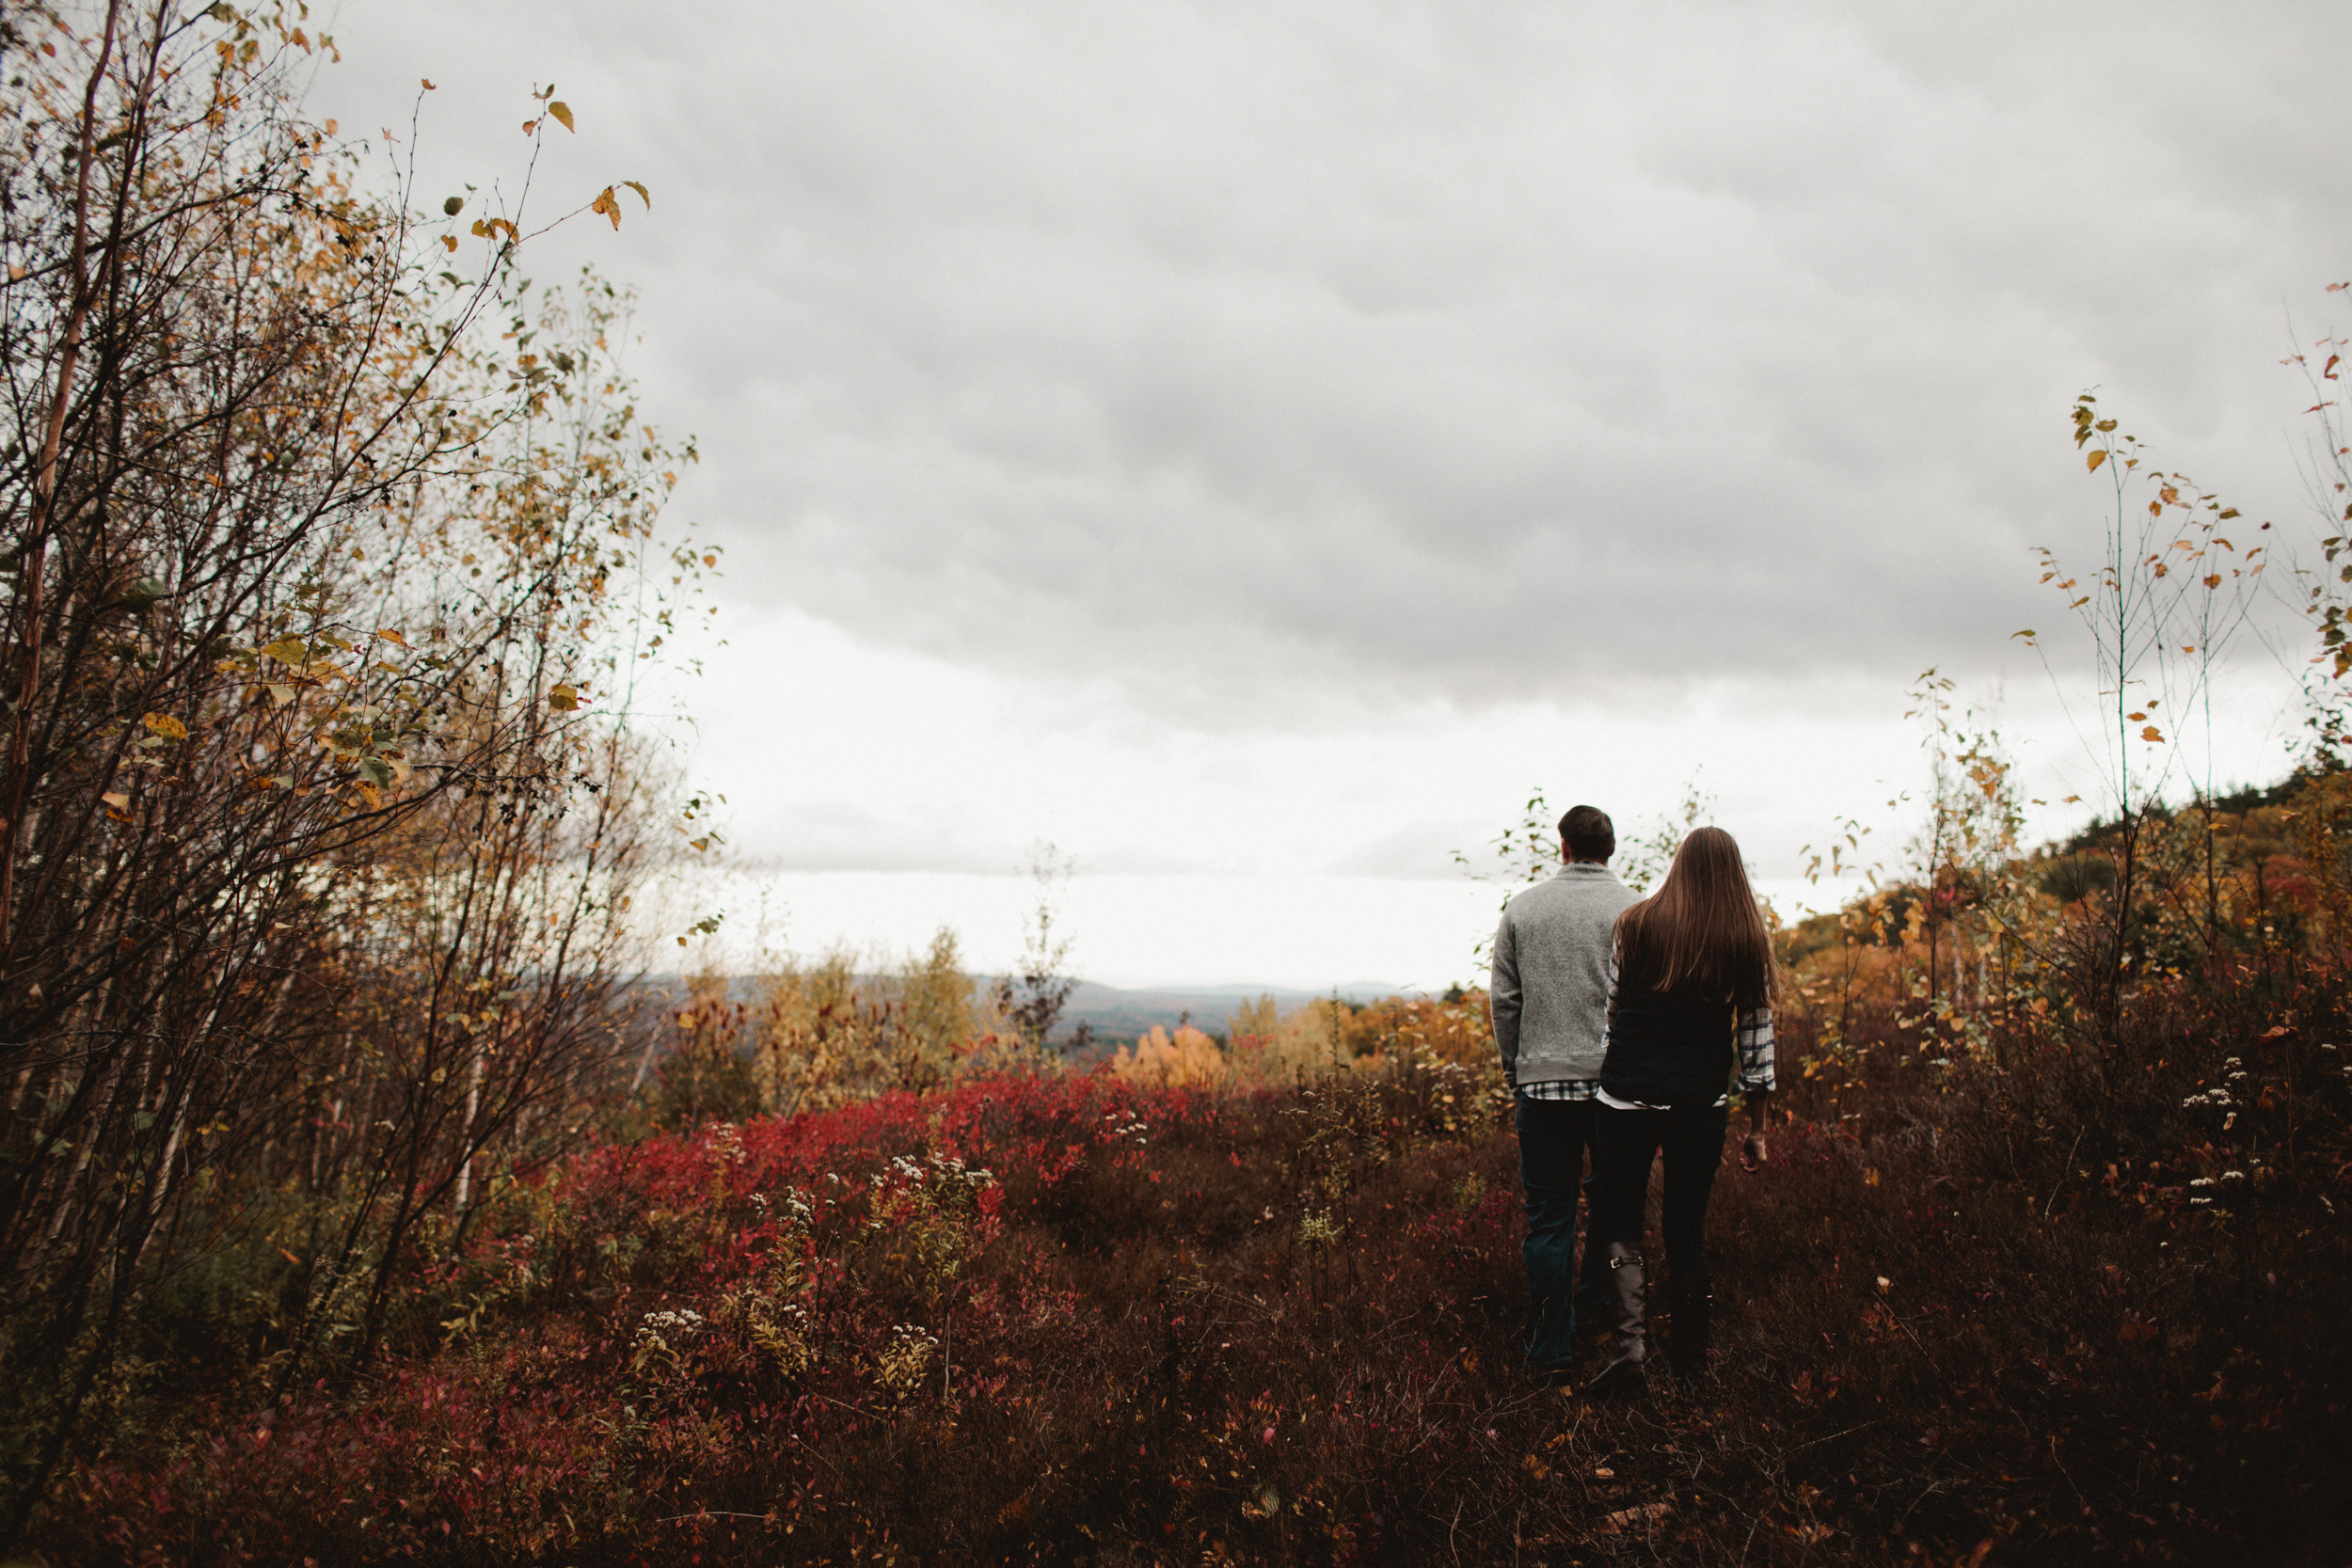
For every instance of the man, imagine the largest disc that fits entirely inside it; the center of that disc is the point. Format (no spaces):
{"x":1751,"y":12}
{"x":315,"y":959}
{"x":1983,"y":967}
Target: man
{"x":1550,"y":996}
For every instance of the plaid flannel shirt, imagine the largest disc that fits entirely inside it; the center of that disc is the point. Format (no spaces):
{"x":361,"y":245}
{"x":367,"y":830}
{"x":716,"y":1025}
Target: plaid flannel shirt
{"x":1561,"y":1088}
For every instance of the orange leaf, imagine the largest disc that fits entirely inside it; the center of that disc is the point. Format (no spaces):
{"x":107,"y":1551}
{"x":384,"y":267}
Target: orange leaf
{"x":2095,"y":459}
{"x":2151,"y":733}
{"x":605,"y":204}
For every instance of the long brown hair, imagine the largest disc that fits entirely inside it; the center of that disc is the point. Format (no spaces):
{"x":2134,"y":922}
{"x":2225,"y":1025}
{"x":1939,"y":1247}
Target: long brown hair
{"x":1701,"y":930}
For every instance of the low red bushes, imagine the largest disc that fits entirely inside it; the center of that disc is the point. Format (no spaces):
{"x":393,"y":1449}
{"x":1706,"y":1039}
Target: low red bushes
{"x":1060,"y":1319}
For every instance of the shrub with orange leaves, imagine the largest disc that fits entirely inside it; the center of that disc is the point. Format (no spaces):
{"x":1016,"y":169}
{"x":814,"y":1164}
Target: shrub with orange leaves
{"x":1189,"y":1056}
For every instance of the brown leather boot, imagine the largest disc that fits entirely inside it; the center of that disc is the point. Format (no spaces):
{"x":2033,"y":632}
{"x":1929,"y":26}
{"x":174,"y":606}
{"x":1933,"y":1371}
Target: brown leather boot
{"x":1629,"y":1305}
{"x":1694,"y":1336}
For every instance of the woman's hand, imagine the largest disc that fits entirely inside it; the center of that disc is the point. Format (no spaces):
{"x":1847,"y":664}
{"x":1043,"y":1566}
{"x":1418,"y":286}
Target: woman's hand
{"x":1753,"y":1154}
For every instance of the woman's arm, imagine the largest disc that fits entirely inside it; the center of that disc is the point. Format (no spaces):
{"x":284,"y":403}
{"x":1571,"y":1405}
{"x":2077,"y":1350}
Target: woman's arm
{"x":1755,"y":1081}
{"x":1753,"y":1153}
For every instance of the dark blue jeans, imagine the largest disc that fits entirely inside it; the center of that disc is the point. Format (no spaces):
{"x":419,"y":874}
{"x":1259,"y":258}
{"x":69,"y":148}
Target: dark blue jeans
{"x":1553,"y":1135}
{"x":1623,"y":1143}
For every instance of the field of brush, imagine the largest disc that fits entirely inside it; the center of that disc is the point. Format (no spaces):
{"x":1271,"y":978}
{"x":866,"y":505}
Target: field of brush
{"x":2014,"y":1310}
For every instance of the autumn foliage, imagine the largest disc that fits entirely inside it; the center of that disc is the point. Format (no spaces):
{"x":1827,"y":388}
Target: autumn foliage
{"x":323,"y":540}
{"x":2011,"y":1297}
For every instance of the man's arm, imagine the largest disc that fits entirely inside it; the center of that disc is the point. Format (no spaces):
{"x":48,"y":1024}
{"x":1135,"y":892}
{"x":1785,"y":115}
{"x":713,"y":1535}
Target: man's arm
{"x":1503,"y":999}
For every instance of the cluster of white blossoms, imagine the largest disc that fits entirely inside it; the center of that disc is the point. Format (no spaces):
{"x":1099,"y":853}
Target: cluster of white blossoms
{"x":684,"y":1323}
{"x":2219,"y":1094}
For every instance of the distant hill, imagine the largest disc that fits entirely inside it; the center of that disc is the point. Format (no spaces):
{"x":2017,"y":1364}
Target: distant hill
{"x":1118,"y":1017}
{"x":1114,"y":1017}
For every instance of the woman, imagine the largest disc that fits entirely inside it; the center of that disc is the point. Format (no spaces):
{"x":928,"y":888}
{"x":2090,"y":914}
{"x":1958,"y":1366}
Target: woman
{"x":1690,"y":997}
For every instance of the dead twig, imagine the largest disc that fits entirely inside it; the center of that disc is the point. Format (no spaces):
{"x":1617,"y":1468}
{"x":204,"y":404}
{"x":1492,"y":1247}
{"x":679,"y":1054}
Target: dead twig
{"x":2063,"y":1168}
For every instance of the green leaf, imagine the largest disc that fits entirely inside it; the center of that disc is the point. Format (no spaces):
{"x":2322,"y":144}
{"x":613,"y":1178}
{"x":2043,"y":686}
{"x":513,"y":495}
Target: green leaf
{"x":453,"y":206}
{"x":144,"y":592}
{"x":376,"y":771}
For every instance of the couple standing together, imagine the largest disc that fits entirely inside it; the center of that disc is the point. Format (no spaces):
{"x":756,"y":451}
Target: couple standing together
{"x":1621,"y":1023}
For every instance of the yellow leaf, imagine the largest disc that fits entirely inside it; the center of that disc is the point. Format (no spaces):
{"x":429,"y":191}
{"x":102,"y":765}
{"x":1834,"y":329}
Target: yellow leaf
{"x":394,"y":637}
{"x":2151,"y":733}
{"x":605,"y":204}
{"x":643,"y":195}
{"x":167,"y":726}
{"x":2096,"y":458}
{"x":120,"y":802}
{"x":563,"y":115}
{"x":564,"y":698}
{"x":289,"y":650}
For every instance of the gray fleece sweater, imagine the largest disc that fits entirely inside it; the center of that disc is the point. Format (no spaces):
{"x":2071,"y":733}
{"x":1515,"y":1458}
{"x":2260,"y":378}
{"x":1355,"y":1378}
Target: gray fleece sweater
{"x":1549,"y":989}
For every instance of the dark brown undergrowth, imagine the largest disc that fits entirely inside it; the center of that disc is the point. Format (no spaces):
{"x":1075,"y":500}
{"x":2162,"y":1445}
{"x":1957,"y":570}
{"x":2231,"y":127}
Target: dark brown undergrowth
{"x":1974,"y":1313}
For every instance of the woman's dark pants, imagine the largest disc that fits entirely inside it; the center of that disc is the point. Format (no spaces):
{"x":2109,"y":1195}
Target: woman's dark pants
{"x":1553,"y":1135}
{"x":1623,"y":1143}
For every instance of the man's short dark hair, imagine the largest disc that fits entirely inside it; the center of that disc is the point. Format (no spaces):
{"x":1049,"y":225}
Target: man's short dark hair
{"x":1588,"y":833}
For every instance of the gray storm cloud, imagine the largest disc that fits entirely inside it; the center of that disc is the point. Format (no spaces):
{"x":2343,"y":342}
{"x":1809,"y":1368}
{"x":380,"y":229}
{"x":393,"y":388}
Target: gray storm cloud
{"x":1263,"y":357}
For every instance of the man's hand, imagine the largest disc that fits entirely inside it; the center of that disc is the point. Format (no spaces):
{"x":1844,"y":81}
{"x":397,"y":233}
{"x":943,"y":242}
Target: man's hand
{"x":1753,"y":1154}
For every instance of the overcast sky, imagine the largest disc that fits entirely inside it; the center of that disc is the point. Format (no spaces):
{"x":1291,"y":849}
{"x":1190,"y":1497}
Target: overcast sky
{"x":1251,"y":445}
